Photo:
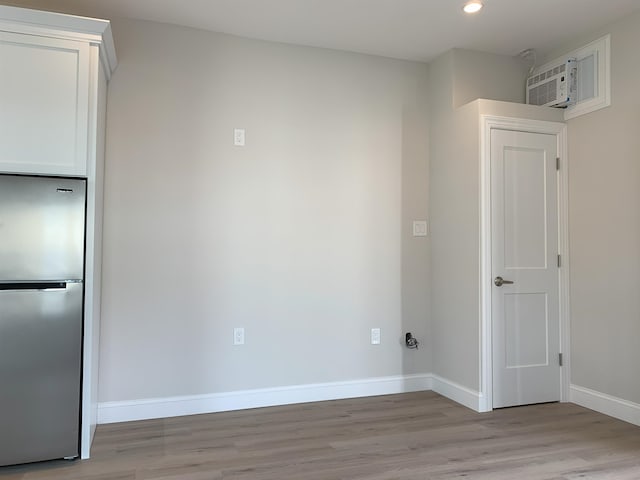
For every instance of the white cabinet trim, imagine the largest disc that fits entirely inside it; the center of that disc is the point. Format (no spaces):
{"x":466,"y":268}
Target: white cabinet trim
{"x":67,"y":27}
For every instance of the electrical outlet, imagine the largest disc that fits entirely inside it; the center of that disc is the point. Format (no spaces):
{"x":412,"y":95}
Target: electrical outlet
{"x":238,"y":336}
{"x":375,"y":336}
{"x":238,"y":137}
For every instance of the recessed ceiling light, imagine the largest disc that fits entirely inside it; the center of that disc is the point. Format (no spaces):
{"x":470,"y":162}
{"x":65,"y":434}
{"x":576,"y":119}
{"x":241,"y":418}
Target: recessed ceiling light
{"x":472,"y":7}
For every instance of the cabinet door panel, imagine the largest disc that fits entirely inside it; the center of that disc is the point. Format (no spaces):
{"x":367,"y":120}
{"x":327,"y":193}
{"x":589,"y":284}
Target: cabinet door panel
{"x":44,"y":93}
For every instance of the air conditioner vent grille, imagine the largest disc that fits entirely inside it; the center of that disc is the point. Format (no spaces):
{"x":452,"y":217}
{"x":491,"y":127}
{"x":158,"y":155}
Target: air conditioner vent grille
{"x":543,"y":93}
{"x":547,"y":74}
{"x":554,"y":87}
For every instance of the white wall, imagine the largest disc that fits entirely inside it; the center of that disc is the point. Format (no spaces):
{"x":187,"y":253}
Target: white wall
{"x":454,"y":236}
{"x":488,"y":76}
{"x":454,"y":192}
{"x":604,"y":217}
{"x":302,"y":237}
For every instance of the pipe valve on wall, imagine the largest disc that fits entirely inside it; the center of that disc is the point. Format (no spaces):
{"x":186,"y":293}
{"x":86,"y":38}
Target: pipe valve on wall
{"x":410,"y":341}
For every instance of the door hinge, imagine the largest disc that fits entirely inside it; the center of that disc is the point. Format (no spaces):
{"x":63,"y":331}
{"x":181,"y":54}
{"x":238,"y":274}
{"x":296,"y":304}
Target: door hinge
{"x":557,"y":163}
{"x":560,"y":359}
{"x":559,"y":262}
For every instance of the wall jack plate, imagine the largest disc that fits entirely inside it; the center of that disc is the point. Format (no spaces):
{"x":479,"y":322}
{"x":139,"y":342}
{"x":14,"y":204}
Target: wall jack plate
{"x":238,"y":336}
{"x":239,"y":137}
{"x":420,"y":228}
{"x":375,"y":336}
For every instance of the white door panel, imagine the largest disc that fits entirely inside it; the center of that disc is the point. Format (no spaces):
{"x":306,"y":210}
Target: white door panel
{"x":525,"y":216}
{"x":526,"y":330}
{"x":525,"y":313}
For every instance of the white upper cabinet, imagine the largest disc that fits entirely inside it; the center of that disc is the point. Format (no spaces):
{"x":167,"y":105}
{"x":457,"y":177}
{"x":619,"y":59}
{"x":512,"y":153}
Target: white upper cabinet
{"x":44,"y":97}
{"x":47,"y":88}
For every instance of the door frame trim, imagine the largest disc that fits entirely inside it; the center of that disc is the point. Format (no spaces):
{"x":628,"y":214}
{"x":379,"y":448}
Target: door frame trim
{"x":488,"y":123}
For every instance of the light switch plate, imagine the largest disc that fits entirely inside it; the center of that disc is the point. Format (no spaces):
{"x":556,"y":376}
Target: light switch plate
{"x":239,"y":137}
{"x":419,"y":228}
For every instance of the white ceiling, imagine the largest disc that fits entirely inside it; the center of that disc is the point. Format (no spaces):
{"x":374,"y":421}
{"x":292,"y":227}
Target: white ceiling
{"x":407,"y":29}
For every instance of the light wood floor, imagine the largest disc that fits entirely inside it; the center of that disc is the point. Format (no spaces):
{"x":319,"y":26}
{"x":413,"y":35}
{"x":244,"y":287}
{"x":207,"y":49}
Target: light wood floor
{"x":417,"y":436}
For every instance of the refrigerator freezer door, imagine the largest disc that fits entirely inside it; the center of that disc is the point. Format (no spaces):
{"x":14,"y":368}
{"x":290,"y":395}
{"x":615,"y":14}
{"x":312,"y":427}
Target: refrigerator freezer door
{"x":41,"y":228}
{"x":40,"y":364}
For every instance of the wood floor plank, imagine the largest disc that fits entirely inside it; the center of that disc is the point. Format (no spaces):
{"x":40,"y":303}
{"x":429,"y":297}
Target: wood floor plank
{"x":417,"y":436}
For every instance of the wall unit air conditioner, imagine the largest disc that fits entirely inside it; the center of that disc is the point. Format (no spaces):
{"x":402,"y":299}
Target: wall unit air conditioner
{"x":554,"y":87}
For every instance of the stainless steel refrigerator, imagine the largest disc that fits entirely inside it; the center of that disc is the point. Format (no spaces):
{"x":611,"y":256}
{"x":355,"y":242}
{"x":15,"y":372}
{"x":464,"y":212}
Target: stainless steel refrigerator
{"x":42,"y":238}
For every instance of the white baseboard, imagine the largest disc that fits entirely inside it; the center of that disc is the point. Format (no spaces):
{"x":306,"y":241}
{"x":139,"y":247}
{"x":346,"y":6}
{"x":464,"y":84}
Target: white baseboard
{"x":607,"y":404}
{"x":456,"y":392}
{"x":112,"y":412}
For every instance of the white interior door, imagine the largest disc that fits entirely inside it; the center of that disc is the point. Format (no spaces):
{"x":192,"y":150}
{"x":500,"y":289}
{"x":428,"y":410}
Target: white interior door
{"x":525,"y":313}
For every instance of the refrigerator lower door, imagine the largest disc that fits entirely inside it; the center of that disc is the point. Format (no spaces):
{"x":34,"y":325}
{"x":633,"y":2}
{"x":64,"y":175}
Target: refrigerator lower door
{"x":40,"y":365}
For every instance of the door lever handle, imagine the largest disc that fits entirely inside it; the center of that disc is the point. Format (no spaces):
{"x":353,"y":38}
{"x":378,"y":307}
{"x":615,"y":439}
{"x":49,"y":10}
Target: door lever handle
{"x":499,"y":281}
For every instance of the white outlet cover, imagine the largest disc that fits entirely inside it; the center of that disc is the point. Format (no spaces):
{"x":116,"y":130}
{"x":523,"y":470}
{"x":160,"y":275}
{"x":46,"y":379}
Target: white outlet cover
{"x":419,"y":228}
{"x":238,"y":336}
{"x":239,"y":137}
{"x":375,"y":336}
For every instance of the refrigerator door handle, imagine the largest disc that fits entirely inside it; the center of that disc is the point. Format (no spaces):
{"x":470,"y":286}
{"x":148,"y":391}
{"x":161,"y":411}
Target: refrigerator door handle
{"x":33,"y":285}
